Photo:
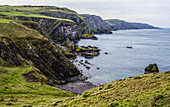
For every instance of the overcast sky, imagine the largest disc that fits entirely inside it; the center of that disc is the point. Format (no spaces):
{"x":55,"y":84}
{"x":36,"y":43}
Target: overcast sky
{"x":154,"y":12}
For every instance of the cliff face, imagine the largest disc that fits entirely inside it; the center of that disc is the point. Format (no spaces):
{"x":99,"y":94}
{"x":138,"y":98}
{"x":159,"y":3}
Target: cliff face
{"x":97,"y":24}
{"x":123,"y":25}
{"x":81,"y":23}
{"x":144,"y":26}
{"x":57,"y":30}
{"x":23,"y":46}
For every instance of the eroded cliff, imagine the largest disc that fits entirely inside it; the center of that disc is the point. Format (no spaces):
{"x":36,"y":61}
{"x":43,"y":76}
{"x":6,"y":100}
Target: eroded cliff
{"x":23,"y":46}
{"x":97,"y":24}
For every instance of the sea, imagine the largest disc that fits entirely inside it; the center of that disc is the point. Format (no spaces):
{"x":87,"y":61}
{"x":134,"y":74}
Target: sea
{"x":150,"y":46}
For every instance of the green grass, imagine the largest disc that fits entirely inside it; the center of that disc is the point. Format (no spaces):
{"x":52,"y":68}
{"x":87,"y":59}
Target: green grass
{"x":16,"y":30}
{"x":151,"y":90}
{"x":5,"y":21}
{"x":16,"y":91}
{"x":14,"y":13}
{"x":34,"y":8}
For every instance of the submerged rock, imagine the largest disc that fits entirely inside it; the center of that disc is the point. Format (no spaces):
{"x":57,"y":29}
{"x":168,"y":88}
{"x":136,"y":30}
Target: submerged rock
{"x":87,"y":67}
{"x":151,"y":68}
{"x":106,"y":53}
{"x":129,"y":47}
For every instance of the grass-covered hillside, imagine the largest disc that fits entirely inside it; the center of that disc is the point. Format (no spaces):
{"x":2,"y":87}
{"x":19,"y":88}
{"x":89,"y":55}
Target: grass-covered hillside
{"x":16,"y":91}
{"x":31,"y":63}
{"x":149,"y":90}
{"x":21,"y":44}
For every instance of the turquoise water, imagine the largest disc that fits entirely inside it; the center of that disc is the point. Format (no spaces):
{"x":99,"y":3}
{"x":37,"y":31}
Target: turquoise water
{"x":149,"y":46}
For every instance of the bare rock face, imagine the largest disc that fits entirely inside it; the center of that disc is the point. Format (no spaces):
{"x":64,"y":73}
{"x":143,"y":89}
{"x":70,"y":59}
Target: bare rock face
{"x":151,"y":68}
{"x":57,"y":30}
{"x":81,"y":23}
{"x":97,"y":24}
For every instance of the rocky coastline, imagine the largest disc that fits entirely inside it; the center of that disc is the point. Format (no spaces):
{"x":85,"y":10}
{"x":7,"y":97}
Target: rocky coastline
{"x":45,"y":40}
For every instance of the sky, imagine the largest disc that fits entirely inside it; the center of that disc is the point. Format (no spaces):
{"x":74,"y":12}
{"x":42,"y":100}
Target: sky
{"x":154,"y":12}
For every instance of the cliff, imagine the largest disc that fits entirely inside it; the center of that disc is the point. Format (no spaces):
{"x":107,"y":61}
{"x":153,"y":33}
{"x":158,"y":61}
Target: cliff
{"x":56,"y":12}
{"x":57,"y":28}
{"x":81,"y":23}
{"x":25,"y":46}
{"x":97,"y":24}
{"x":123,"y":25}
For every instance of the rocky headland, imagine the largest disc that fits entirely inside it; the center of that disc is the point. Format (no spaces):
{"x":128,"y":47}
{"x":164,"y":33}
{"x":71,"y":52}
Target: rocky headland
{"x":117,"y":24}
{"x":97,"y":24}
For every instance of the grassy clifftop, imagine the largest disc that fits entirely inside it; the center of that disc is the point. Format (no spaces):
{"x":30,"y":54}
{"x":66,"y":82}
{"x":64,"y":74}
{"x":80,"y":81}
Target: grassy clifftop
{"x":151,"y":90}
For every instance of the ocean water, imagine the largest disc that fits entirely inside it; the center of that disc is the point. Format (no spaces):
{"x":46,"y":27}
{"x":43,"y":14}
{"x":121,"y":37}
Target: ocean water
{"x":149,"y":46}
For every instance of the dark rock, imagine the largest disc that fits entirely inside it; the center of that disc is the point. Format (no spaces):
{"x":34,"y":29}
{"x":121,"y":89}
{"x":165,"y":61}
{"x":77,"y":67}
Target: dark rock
{"x":106,"y":53}
{"x":84,"y":65}
{"x":98,"y":68}
{"x":151,"y":68}
{"x":86,"y":61}
{"x":87,"y":67}
{"x":129,"y":47}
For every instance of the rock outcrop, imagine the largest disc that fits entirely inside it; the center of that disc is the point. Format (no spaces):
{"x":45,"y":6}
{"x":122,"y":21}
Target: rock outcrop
{"x":151,"y":68}
{"x":117,"y":24}
{"x":97,"y":24}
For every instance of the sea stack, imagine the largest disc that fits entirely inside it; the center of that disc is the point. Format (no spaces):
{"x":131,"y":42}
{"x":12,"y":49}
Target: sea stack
{"x":151,"y":68}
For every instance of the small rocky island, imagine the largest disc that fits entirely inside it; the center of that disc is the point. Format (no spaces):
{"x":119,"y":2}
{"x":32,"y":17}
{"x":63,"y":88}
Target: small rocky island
{"x":151,"y":68}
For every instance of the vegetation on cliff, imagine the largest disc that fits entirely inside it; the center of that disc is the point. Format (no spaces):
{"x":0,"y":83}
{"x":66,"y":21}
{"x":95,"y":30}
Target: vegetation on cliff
{"x":21,"y":45}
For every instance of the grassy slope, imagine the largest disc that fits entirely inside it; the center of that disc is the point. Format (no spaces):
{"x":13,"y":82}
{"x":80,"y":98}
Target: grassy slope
{"x":5,"y":21}
{"x":29,"y":11}
{"x":14,"y":13}
{"x":14,"y":89}
{"x":150,"y":90}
